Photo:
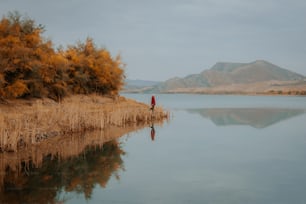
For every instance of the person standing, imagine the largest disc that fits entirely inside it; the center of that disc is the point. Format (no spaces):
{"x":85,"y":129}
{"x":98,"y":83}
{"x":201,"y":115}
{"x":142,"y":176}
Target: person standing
{"x":153,"y":103}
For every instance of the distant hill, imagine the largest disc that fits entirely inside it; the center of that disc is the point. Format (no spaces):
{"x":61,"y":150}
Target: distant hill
{"x":227,"y":73}
{"x":230,"y":77}
{"x":138,"y":85}
{"x":258,"y":77}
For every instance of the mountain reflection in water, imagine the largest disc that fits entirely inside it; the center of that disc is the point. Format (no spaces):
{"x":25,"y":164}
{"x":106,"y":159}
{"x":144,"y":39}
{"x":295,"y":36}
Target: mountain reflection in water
{"x":254,"y":117}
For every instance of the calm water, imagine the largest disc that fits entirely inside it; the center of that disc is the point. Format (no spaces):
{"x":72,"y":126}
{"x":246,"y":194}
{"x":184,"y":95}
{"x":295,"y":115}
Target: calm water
{"x":215,"y":149}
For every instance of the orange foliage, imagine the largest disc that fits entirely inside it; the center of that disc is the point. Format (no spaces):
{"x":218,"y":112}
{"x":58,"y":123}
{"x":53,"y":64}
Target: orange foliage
{"x":18,"y":88}
{"x":93,"y":70}
{"x":30,"y":67}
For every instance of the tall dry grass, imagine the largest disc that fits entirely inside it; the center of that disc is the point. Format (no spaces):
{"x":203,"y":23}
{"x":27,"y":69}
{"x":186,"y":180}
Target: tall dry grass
{"x":24,"y":123}
{"x":62,"y":147}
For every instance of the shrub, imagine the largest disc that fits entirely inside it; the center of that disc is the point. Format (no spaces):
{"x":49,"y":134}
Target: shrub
{"x":30,"y":67}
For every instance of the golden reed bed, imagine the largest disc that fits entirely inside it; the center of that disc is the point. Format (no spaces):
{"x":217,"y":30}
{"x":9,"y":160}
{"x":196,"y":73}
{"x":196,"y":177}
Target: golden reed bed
{"x":61,"y":148}
{"x":26,"y":123}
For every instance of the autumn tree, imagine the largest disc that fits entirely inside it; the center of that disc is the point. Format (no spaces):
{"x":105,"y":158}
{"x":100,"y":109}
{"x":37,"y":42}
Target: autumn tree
{"x":30,"y":67}
{"x":21,"y":51}
{"x":93,"y":70}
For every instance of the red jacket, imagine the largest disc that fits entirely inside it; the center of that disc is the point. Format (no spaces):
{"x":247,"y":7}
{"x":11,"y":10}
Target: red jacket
{"x":153,"y":101}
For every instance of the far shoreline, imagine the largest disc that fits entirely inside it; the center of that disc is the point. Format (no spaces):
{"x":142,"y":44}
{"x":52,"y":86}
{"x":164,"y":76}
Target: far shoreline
{"x":237,"y":93}
{"x":221,"y":93}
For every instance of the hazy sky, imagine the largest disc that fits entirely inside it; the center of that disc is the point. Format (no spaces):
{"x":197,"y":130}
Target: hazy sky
{"x":160,"y":39}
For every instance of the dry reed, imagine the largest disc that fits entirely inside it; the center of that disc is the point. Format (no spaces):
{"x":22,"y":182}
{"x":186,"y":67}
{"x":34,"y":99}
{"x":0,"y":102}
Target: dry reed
{"x":57,"y":147}
{"x":24,"y":123}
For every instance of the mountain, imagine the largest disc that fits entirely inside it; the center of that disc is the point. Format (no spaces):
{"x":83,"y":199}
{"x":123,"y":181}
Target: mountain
{"x":226,"y":74}
{"x":138,"y":85}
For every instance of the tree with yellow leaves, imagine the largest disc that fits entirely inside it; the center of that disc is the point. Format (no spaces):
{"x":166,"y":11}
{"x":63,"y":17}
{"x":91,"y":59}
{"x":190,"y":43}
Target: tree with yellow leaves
{"x":92,"y":70}
{"x":30,"y":67}
{"x":20,"y":54}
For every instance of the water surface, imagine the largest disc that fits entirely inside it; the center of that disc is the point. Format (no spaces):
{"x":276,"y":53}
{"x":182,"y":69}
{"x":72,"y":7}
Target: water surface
{"x":215,"y":149}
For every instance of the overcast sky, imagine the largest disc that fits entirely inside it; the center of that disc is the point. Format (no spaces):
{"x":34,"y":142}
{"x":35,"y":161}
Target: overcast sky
{"x":160,"y":39}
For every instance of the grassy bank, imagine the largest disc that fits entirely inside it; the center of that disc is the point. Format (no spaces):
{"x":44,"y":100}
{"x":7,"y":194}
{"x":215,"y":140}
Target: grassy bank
{"x":28,"y":122}
{"x":14,"y":167}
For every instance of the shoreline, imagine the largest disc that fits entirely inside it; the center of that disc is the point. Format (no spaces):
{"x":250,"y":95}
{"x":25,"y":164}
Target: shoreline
{"x":24,"y":123}
{"x":241,"y":93}
{"x":272,"y":87}
{"x":237,"y":93}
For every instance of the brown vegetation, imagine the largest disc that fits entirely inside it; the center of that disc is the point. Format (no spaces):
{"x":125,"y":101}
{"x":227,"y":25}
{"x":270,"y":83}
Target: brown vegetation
{"x":51,"y":109}
{"x":24,"y":122}
{"x":42,"y":140}
{"x":30,"y":67}
{"x":51,"y":165}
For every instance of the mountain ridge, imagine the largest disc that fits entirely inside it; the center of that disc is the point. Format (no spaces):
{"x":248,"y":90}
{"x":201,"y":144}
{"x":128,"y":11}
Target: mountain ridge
{"x":257,"y":77}
{"x":228,"y":73}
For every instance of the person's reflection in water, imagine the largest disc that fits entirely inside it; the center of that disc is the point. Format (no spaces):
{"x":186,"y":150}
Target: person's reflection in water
{"x":152,"y":132}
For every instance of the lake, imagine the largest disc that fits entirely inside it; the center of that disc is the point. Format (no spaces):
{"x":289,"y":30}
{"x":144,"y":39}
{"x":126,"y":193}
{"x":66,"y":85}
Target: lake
{"x":214,"y":149}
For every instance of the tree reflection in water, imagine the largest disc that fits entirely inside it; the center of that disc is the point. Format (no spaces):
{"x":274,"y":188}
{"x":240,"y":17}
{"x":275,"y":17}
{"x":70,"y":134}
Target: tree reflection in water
{"x":80,"y":174}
